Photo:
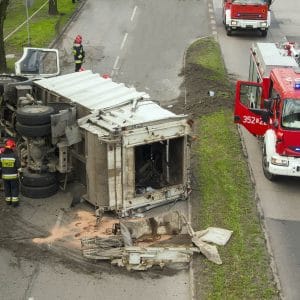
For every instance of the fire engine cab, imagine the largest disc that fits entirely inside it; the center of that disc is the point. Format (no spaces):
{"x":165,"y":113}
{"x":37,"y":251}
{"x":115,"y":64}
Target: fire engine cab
{"x":247,"y":15}
{"x":268,"y":106}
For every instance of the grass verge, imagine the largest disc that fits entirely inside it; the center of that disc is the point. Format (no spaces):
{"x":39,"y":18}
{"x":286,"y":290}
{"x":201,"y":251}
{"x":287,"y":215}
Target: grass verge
{"x":225,"y":198}
{"x":43,"y":28}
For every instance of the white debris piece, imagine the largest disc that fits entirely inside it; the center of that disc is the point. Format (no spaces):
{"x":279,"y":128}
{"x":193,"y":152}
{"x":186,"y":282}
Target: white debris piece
{"x":215,"y":235}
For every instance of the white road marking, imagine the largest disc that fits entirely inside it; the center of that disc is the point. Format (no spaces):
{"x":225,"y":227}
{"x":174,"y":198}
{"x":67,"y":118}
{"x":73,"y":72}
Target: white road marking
{"x":116,"y":63}
{"x":124,"y":40}
{"x":133,"y":13}
{"x":57,"y":225}
{"x":59,"y":219}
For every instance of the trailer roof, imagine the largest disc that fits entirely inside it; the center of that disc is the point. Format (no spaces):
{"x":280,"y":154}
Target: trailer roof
{"x":91,"y":90}
{"x":120,"y":106}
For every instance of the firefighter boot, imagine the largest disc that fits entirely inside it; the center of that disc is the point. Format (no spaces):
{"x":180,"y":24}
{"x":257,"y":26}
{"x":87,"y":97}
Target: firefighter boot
{"x":15,"y":201}
{"x":8,"y":200}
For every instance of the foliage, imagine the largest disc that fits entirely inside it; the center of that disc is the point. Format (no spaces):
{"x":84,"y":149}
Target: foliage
{"x":43,"y":28}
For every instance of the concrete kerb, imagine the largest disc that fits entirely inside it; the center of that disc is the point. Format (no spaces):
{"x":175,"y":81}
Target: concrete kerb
{"x":262,"y":218}
{"x":75,"y":14}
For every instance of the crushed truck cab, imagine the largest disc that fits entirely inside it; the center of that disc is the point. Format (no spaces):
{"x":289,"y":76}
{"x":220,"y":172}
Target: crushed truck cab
{"x":129,"y":152}
{"x":268,"y":106}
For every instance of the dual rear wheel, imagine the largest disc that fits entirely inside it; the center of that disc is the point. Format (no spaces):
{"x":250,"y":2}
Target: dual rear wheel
{"x":34,"y":121}
{"x":38,"y":185}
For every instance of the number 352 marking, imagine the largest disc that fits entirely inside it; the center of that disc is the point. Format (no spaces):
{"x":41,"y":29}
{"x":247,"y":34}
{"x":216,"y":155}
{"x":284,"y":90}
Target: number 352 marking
{"x":252,"y":120}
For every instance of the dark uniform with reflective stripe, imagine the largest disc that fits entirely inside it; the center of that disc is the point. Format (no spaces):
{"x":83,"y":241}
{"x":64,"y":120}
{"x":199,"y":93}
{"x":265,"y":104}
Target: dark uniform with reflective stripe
{"x":10,"y":164}
{"x":79,"y":55}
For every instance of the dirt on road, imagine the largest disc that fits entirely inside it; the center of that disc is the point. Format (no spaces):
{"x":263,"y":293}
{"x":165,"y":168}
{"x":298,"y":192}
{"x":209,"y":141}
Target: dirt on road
{"x":200,"y":95}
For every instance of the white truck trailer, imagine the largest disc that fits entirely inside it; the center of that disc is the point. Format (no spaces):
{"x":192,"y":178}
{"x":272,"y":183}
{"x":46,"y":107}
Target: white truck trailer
{"x":128,"y":151}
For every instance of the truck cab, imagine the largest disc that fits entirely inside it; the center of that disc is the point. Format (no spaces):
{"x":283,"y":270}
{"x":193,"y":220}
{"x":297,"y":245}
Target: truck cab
{"x":246,"y":15}
{"x":270,"y":109}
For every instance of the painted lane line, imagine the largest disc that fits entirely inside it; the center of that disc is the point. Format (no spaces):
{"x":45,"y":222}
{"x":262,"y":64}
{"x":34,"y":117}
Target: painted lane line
{"x":124,"y":40}
{"x":59,"y":219}
{"x":116,"y":63}
{"x":57,"y":225}
{"x":133,"y":13}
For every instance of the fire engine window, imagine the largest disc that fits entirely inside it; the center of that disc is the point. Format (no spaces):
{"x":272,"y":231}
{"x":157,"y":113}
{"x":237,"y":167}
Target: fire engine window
{"x":291,"y":114}
{"x":158,"y":165}
{"x":250,"y":95}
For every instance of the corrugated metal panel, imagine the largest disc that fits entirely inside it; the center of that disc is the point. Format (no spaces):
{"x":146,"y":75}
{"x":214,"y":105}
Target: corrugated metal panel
{"x":91,"y":90}
{"x":143,"y":112}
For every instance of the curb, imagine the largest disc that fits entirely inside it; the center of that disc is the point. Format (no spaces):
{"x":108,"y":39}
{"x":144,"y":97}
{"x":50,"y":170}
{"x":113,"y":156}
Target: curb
{"x":262,"y":219}
{"x":66,"y":26}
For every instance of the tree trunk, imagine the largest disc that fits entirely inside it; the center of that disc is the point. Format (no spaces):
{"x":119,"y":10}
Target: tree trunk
{"x":52,"y":7}
{"x":3,"y":7}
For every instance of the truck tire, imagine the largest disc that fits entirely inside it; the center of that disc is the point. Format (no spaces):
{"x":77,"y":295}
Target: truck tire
{"x":36,"y":192}
{"x":265,"y":166}
{"x":34,"y":114}
{"x":33,"y":130}
{"x":38,"y":179}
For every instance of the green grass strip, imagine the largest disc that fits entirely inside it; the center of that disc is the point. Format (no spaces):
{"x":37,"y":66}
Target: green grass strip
{"x":226,"y":196}
{"x":227,"y":201}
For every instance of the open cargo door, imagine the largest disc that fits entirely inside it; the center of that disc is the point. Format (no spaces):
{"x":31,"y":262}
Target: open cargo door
{"x":247,"y":109}
{"x":38,"y":62}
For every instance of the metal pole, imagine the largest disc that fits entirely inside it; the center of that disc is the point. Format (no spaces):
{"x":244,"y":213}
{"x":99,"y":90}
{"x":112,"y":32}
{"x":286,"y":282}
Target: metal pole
{"x":27,"y":20}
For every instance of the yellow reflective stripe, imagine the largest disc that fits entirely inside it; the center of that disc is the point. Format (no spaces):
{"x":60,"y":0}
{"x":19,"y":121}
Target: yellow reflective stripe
{"x":14,"y":199}
{"x":7,"y":162}
{"x":7,"y":158}
{"x":9,"y":176}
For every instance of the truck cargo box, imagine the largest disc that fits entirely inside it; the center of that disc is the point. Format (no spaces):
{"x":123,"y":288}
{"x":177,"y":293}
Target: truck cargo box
{"x":131,"y":153}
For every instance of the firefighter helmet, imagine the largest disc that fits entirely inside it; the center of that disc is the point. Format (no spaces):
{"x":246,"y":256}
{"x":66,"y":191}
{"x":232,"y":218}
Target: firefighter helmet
{"x":10,"y":144}
{"x":78,"y":39}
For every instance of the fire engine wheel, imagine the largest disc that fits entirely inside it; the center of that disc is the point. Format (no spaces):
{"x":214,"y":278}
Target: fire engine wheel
{"x":37,"y":179}
{"x":33,"y":130}
{"x":264,"y":33}
{"x":34,"y":114}
{"x":228,"y":31}
{"x":37,"y":192}
{"x":265,"y":166}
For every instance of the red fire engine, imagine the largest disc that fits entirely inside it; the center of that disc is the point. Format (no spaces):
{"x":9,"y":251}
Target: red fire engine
{"x":247,"y":15}
{"x":268,"y":106}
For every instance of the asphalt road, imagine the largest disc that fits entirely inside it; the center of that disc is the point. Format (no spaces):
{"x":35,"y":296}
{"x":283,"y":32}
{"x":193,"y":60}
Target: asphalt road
{"x":279,"y":201}
{"x":140,"y":43}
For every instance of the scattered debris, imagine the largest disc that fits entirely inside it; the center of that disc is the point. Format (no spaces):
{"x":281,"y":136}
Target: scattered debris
{"x":139,"y":259}
{"x":141,"y":243}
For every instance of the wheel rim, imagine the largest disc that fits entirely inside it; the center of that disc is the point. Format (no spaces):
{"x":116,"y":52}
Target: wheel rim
{"x":35,"y":109}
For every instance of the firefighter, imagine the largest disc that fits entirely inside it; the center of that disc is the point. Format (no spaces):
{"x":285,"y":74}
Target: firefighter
{"x":78,"y":52}
{"x":10,"y":164}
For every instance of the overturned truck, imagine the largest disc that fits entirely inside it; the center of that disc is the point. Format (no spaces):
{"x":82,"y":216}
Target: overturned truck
{"x":129,"y":152}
